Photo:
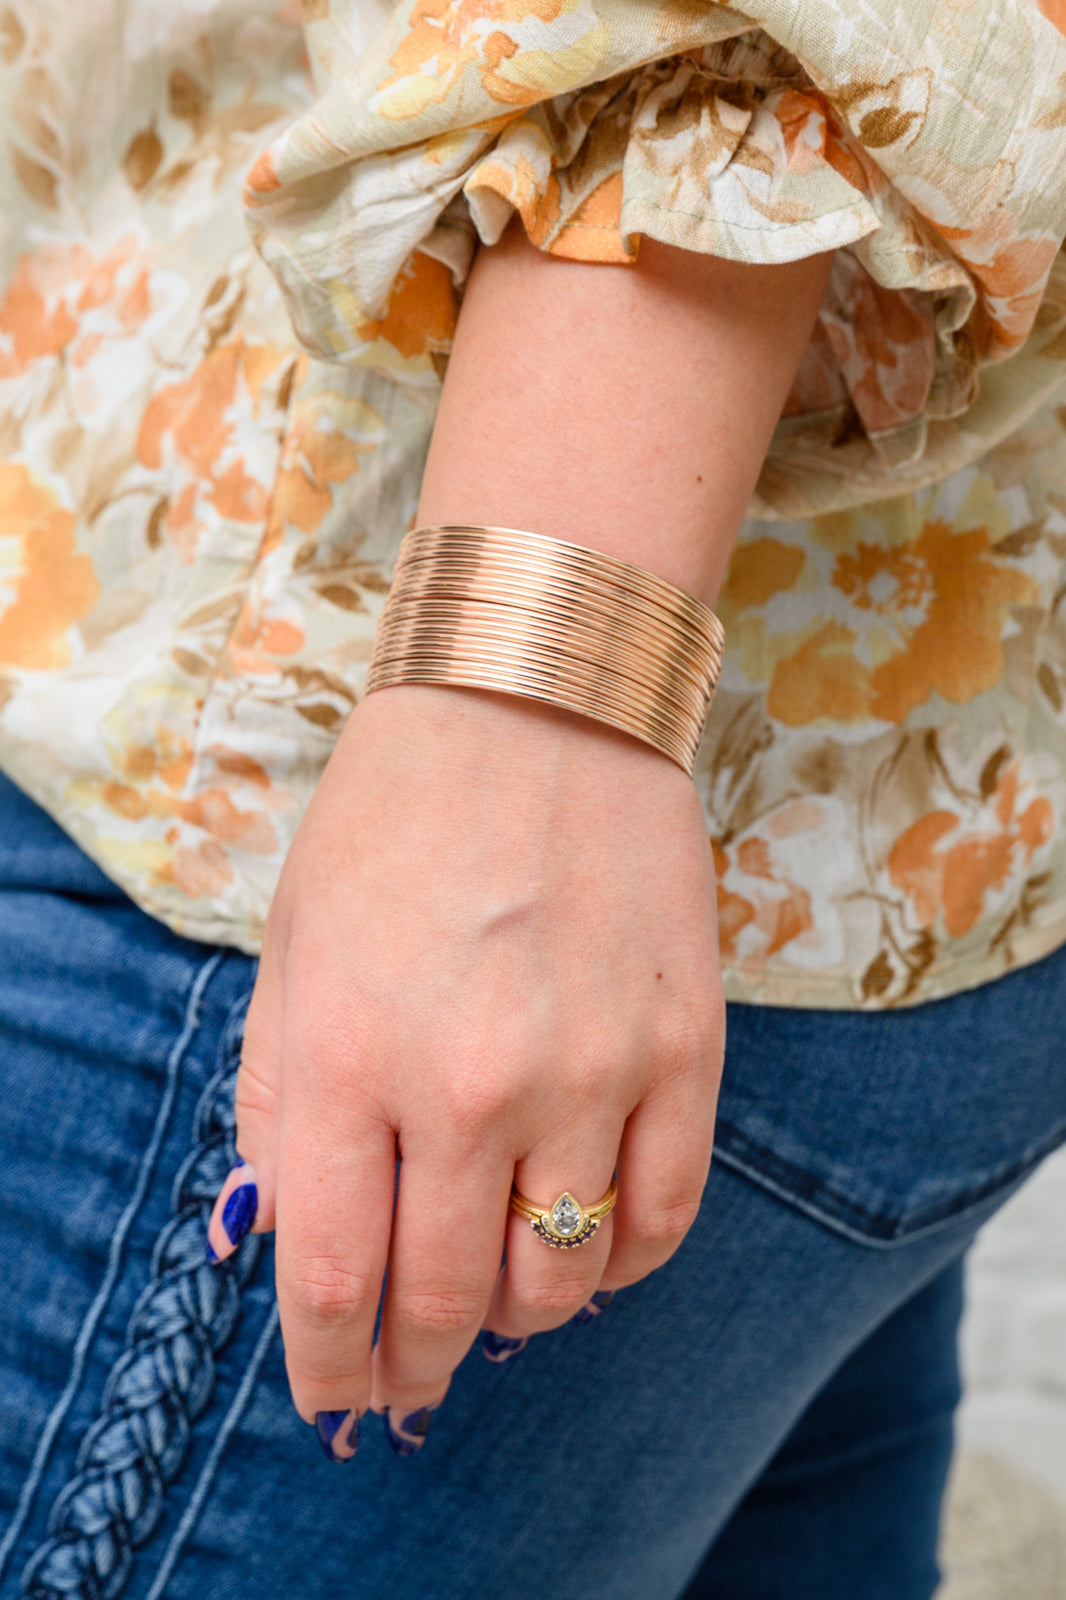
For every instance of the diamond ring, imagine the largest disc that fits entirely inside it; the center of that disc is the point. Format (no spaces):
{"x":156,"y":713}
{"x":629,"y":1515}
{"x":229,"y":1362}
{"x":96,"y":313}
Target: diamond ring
{"x":566,"y":1223}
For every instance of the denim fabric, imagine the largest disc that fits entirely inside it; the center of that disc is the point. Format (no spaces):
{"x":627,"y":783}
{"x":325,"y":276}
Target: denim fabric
{"x":767,"y":1416}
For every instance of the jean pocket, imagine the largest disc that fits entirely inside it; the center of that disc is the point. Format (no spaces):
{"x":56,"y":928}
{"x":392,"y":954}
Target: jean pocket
{"x":887,"y":1125}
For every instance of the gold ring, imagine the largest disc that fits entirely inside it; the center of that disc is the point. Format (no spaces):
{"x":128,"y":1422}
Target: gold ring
{"x":566,"y":1223}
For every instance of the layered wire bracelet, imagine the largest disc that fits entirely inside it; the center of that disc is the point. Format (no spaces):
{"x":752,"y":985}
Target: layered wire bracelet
{"x":497,"y":608}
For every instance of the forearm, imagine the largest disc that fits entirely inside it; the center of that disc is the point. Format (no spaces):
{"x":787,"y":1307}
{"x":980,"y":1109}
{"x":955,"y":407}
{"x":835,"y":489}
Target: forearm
{"x":493,"y":946}
{"x":625,"y":408}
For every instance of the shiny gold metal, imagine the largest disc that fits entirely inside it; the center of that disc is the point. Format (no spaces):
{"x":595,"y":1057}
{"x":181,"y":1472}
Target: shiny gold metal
{"x":566,"y":1223}
{"x":496,"y":608}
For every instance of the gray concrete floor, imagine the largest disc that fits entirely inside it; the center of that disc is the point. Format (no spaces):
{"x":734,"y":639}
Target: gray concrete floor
{"x":1004,"y":1535}
{"x":1005,"y":1528}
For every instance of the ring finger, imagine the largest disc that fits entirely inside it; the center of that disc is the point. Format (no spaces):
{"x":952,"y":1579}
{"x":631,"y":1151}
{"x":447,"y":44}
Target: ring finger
{"x":543,"y":1285}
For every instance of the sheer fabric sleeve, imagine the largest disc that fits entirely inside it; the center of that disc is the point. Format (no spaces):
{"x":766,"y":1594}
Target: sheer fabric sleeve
{"x":923,"y":141}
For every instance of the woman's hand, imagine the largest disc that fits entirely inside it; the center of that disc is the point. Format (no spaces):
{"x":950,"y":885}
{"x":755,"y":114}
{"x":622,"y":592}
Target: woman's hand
{"x":492,"y":954}
{"x":493,"y":948}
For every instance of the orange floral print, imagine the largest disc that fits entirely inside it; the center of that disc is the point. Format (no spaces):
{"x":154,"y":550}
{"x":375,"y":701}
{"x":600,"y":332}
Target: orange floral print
{"x":46,"y":585}
{"x":723,"y":130}
{"x":262,"y":179}
{"x":774,"y":880}
{"x":889,"y":581}
{"x":192,"y":425}
{"x":168,"y":759}
{"x":201,"y":829}
{"x":759,"y":569}
{"x":948,"y":864}
{"x":1012,"y":271}
{"x":198,"y":523}
{"x":779,"y":914}
{"x":327,"y":435}
{"x":812,"y":132}
{"x":445,"y":37}
{"x":260,"y":638}
{"x":885,"y":346}
{"x":948,"y":598}
{"x":421,"y":313}
{"x":65,"y":299}
{"x":201,"y":872}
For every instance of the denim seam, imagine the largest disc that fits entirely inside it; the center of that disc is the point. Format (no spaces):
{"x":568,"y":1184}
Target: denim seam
{"x":89,"y":1326}
{"x":211,"y":1465}
{"x":875,"y":1230}
{"x":165,"y":1375}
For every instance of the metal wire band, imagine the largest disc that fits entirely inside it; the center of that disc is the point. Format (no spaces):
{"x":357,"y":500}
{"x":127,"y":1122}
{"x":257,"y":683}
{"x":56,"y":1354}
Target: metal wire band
{"x":575,"y":643}
{"x":547,"y":602}
{"x":523,"y":614}
{"x":648,"y":597}
{"x":650,"y":731}
{"x":546,"y":590}
{"x":560,"y":555}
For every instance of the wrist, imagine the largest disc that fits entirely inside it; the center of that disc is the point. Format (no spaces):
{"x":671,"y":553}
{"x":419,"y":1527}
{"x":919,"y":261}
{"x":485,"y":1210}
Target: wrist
{"x":513,"y":745}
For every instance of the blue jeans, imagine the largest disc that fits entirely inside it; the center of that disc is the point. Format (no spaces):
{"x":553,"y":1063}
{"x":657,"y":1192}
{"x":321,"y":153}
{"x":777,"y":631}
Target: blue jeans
{"x":768,"y":1417}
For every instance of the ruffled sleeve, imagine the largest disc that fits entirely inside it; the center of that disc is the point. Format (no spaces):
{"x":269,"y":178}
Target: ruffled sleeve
{"x":924,"y":143}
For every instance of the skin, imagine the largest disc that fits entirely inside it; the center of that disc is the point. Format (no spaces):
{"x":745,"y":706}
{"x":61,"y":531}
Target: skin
{"x":493,"y":947}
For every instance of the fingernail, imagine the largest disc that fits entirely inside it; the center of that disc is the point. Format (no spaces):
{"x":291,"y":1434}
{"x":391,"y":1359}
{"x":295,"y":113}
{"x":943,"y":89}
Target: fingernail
{"x":233,"y":1214}
{"x":338,"y":1434}
{"x":408,"y":1436}
{"x":592,"y":1308}
{"x":497,"y":1348}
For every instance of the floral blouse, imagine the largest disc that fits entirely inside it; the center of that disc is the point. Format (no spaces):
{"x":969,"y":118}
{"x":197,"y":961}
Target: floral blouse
{"x":211,"y":451}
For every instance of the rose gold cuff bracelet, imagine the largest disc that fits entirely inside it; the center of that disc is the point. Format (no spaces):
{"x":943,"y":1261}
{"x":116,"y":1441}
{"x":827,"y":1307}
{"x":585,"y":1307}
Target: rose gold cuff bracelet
{"x":493,"y":608}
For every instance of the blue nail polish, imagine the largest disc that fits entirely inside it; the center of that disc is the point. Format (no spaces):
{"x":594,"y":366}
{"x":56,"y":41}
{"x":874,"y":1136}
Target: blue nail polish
{"x":498,"y":1348}
{"x":338,"y":1434}
{"x":592,"y":1308}
{"x":231,"y":1225}
{"x":408,"y":1437}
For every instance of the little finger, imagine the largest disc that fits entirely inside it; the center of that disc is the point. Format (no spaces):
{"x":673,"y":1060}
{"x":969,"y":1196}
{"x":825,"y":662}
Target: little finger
{"x":662,"y":1170}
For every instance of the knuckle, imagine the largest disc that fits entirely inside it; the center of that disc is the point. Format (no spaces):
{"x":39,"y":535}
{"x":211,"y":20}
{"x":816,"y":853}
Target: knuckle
{"x":255,"y":1093}
{"x":323,"y":1043}
{"x":317,"y":1379}
{"x":328,"y":1029}
{"x":428,"y":1312}
{"x":691,"y":1039}
{"x":666,"y":1223}
{"x":590,"y":1079}
{"x":325,"y":1290}
{"x":470,"y":1113}
{"x":594,"y":1060}
{"x":558,"y":1296}
{"x":476,"y":1098}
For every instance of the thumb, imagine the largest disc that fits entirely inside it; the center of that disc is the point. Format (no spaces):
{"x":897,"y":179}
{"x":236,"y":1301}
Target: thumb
{"x":245,"y":1202}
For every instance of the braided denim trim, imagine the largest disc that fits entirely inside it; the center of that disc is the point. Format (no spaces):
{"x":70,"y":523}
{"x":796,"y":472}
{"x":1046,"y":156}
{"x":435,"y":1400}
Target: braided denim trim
{"x":102,"y":1298}
{"x":162,"y":1381}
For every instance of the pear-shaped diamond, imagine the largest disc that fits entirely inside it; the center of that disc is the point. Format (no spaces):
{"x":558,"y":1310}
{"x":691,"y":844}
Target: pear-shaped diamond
{"x":566,"y":1216}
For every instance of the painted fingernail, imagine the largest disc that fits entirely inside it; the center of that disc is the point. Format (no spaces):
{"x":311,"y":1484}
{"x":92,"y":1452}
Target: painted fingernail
{"x":408,"y":1437}
{"x":592,"y":1308}
{"x":497,"y":1348}
{"x":338,"y":1434}
{"x":233,"y":1214}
